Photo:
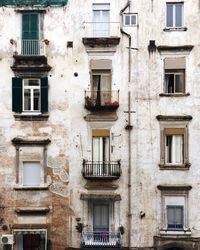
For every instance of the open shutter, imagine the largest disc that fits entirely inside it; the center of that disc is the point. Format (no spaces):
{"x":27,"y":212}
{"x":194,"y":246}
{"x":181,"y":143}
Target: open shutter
{"x":16,"y":94}
{"x":44,"y":94}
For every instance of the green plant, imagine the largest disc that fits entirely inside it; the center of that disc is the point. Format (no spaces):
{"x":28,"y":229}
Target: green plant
{"x":79,"y":227}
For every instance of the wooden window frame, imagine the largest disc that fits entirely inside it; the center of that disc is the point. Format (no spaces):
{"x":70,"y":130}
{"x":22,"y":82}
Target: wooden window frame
{"x":174,"y":72}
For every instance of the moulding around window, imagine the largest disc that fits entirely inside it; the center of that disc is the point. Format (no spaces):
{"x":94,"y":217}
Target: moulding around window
{"x":31,"y":188}
{"x":32,"y":10}
{"x":175,"y":29}
{"x":174,"y":94}
{"x":30,"y":226}
{"x":24,"y":117}
{"x":100,"y":117}
{"x":115,"y":197}
{"x":174,"y":187}
{"x":100,"y":186}
{"x":182,"y":167}
{"x":182,"y":48}
{"x":183,"y":232}
{"x":174,"y":117}
{"x":30,"y":141}
{"x":32,"y":210}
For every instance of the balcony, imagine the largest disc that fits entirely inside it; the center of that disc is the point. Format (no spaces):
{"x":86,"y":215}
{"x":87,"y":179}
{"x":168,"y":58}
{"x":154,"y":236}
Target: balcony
{"x":102,"y":100}
{"x":34,"y":2}
{"x":104,"y":34}
{"x":101,"y":170}
{"x":101,"y":239}
{"x":30,"y":57}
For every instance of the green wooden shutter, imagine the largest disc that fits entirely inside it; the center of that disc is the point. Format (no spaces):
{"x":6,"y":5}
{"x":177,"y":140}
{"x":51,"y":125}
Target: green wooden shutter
{"x":44,"y":94}
{"x":16,"y":94}
{"x":30,"y":26}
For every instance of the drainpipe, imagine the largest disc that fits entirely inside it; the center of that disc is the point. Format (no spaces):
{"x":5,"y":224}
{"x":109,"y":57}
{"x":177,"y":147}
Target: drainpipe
{"x":129,"y":128}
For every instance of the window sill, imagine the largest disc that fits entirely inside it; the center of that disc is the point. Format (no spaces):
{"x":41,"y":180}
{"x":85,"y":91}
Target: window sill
{"x":175,"y":29}
{"x":31,"y":117}
{"x":45,"y":187}
{"x":183,"y":167}
{"x":182,"y":232}
{"x":174,"y":94}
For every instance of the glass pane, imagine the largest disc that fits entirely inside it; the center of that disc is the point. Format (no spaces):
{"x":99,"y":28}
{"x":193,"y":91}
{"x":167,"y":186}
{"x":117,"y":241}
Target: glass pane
{"x":178,"y":14}
{"x":178,"y":149}
{"x":169,"y":82}
{"x":168,"y":149}
{"x":133,"y":19}
{"x":127,"y":20}
{"x":169,"y":15}
{"x":31,"y":82}
{"x":27,"y":99}
{"x":179,"y":83}
{"x":31,"y":173}
{"x":36,"y":99}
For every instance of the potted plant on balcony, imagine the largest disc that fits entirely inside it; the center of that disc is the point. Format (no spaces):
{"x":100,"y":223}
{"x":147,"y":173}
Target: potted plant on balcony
{"x":79,"y":227}
{"x":121,"y":230}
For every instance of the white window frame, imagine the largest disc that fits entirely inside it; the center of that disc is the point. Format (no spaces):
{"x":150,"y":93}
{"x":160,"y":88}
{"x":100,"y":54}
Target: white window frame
{"x":130,"y":15}
{"x":178,"y":72}
{"x":31,"y":88}
{"x":41,"y":182}
{"x":174,"y":15}
{"x":174,"y":199}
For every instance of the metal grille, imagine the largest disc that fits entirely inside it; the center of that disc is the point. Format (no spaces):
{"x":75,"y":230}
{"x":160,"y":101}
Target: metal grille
{"x":34,"y":2}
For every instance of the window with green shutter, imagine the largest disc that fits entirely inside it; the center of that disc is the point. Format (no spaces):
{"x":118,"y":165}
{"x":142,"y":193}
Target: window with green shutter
{"x":30,"y":95}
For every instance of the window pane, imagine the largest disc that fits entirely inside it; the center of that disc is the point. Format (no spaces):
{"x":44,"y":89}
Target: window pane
{"x":169,"y":82}
{"x":36,"y":101}
{"x":27,"y":99}
{"x":178,"y":149}
{"x":31,"y":82}
{"x":133,"y":19}
{"x":169,"y":15}
{"x":127,"y":20}
{"x":178,"y":14}
{"x":175,"y":217}
{"x":168,"y":150}
{"x":179,"y":83}
{"x":31,"y":174}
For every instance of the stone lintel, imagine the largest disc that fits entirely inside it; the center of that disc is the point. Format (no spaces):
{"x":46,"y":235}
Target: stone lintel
{"x":174,"y":117}
{"x":174,"y":187}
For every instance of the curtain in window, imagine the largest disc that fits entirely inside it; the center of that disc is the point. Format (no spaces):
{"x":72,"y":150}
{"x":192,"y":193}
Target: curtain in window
{"x":101,"y":17}
{"x":101,"y":217}
{"x":175,"y":217}
{"x":105,"y":89}
{"x":174,"y":149}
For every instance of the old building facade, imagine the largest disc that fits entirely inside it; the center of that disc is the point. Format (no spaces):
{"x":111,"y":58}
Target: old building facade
{"x":99,"y":142}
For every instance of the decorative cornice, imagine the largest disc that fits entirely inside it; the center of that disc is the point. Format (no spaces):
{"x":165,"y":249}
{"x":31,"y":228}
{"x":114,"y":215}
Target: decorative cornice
{"x":30,"y":141}
{"x":175,"y":48}
{"x":174,"y":117}
{"x":174,"y":187}
{"x":115,"y":197}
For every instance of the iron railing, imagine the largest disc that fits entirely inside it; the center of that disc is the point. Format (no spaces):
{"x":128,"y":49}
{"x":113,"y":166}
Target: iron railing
{"x":34,"y":2}
{"x":32,"y":47}
{"x":101,"y":239}
{"x":107,"y":100}
{"x":101,"y":170}
{"x":101,"y":29}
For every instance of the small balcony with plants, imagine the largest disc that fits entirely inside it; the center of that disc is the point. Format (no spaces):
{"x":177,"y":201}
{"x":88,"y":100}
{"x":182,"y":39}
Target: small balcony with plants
{"x":101,"y":170}
{"x":102,"y":100}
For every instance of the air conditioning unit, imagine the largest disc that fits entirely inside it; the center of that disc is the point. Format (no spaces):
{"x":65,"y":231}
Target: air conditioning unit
{"x":7,"y":239}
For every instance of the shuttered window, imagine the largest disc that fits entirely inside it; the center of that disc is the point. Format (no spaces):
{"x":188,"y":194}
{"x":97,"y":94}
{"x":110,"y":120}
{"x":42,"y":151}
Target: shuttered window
{"x":17,"y":95}
{"x":30,"y":26}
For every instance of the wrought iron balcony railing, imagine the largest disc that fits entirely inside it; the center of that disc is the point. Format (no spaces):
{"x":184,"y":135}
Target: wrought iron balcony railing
{"x":32,"y":47}
{"x":101,"y":29}
{"x":102,"y":100}
{"x":101,"y":170}
{"x":101,"y":239}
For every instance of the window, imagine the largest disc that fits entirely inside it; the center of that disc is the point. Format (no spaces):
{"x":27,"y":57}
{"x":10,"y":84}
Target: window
{"x":174,"y":75}
{"x":130,"y":19}
{"x":174,"y":149}
{"x":175,"y":217}
{"x":32,"y":174}
{"x":101,"y":86}
{"x":30,"y":239}
{"x":30,"y":95}
{"x":174,"y":205}
{"x":174,"y":142}
{"x":174,"y":17}
{"x":101,"y":20}
{"x":30,"y":34}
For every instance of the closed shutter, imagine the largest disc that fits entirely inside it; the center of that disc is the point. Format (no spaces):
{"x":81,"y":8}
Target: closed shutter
{"x":44,"y":94}
{"x":16,"y":94}
{"x":30,"y":26}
